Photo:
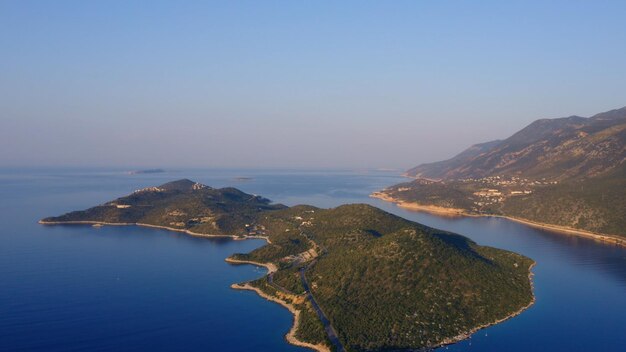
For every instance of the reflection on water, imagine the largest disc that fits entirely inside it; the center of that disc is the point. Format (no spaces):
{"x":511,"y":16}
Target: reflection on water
{"x":133,"y":288}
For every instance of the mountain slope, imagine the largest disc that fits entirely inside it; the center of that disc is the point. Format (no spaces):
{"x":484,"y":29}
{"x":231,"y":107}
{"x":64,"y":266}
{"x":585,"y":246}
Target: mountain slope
{"x":440,"y":169}
{"x":555,"y":149}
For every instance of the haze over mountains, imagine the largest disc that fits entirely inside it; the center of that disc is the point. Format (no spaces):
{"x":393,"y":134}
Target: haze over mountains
{"x":556,"y":149}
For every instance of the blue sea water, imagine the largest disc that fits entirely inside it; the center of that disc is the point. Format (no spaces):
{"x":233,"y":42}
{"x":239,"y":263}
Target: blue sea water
{"x":78,"y":288}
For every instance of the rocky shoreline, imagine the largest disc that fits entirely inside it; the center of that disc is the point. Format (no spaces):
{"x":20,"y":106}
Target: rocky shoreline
{"x":291,"y":335}
{"x":466,"y":335}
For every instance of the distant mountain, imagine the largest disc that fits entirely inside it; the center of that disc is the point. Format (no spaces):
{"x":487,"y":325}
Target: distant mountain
{"x":146,"y":171}
{"x":383,"y":282}
{"x":555,"y":149}
{"x":440,"y":168}
{"x":568,"y":172}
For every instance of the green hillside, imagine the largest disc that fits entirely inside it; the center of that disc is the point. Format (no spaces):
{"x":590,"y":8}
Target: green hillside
{"x":383,"y":282}
{"x":181,"y":204}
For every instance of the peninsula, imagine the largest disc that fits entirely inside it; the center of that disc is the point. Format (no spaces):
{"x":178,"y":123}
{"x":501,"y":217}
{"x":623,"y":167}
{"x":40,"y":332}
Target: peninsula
{"x":355,"y":277}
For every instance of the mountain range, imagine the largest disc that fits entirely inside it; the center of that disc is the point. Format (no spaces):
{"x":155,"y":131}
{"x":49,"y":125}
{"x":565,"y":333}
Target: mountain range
{"x":556,"y":149}
{"x":567,"y":172}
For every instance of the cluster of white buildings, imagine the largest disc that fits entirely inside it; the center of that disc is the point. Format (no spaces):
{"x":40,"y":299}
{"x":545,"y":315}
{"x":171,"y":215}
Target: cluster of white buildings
{"x":149,"y":189}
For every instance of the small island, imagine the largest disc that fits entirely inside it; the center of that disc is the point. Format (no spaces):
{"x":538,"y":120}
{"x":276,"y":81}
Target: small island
{"x":242,"y":178}
{"x":146,"y":171}
{"x":355,"y":277}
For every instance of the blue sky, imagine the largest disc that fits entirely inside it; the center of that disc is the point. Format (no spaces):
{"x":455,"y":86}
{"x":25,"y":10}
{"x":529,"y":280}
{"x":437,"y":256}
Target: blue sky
{"x":295,"y":83}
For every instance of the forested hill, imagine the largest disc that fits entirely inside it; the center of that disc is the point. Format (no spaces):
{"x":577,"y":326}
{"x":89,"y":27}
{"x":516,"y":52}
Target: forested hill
{"x":181,"y":204}
{"x":384,"y":283}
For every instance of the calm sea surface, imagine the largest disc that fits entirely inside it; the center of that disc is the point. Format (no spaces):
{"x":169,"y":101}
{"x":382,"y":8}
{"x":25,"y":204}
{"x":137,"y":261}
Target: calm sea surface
{"x":79,"y":288}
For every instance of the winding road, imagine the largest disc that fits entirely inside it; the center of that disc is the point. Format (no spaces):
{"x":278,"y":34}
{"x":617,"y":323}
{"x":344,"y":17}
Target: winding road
{"x":330,"y":331}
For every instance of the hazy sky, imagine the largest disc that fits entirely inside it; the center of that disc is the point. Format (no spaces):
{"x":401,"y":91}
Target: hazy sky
{"x":294,"y":83}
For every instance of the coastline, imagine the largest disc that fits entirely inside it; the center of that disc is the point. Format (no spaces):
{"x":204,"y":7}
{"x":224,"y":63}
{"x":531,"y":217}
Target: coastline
{"x":271,"y":267}
{"x":466,"y":335}
{"x":191,"y":233}
{"x":455,"y":212}
{"x":291,"y":335}
{"x":433,"y":209}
